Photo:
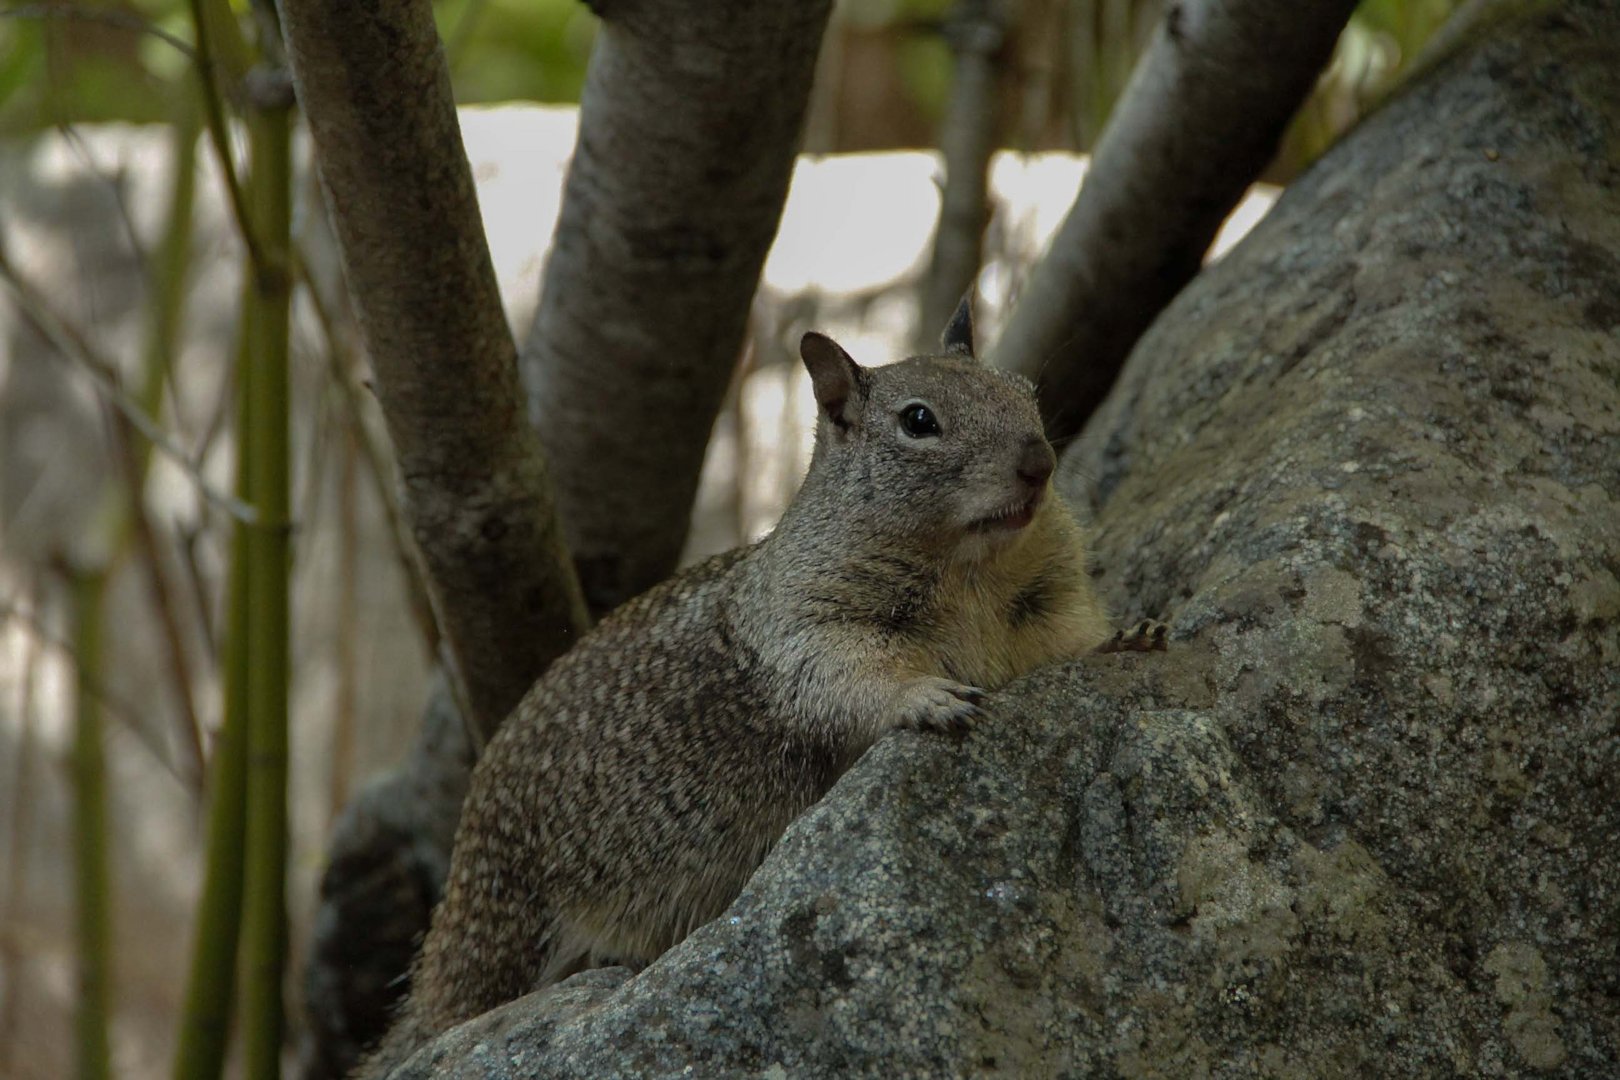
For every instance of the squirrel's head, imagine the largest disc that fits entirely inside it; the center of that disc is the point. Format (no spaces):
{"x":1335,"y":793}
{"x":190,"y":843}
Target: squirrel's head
{"x":944,"y":449}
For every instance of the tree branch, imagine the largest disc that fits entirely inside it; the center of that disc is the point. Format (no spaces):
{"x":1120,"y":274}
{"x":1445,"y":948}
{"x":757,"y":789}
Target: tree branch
{"x":1199,"y":120}
{"x":967,"y":139}
{"x":374,"y":87}
{"x":689,"y":123}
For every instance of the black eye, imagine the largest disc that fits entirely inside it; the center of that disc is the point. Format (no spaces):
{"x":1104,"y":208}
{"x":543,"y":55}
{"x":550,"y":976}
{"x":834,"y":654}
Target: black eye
{"x":917,"y":420}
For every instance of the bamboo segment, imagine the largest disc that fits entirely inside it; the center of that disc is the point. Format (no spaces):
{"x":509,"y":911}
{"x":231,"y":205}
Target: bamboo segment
{"x":211,"y":984}
{"x":264,"y":930}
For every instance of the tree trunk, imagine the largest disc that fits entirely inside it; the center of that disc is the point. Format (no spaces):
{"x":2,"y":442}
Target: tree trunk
{"x":689,"y":121}
{"x":1359,"y":820}
{"x":374,"y":87}
{"x":687,"y":137}
{"x":1201,"y":117}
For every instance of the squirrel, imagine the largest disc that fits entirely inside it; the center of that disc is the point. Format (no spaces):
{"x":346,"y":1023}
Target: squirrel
{"x":646,"y":775}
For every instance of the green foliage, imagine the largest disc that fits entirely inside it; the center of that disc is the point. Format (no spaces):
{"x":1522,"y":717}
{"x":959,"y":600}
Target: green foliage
{"x":517,"y":50}
{"x":1406,"y":24}
{"x":925,"y":71}
{"x":97,"y":65}
{"x":1376,"y":50}
{"x":22,"y":61}
{"x":90,"y":61}
{"x":83,"y":63}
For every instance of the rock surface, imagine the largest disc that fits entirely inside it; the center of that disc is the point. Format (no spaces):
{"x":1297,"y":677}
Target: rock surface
{"x":1362,"y":820}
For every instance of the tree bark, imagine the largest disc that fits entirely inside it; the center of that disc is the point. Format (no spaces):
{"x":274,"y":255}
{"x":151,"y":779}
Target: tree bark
{"x":1199,"y":120}
{"x":374,"y":86}
{"x":689,"y":122}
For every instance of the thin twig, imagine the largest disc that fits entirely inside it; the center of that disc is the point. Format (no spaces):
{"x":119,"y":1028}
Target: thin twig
{"x":125,"y":711}
{"x":308,"y":500}
{"x":214,"y":110}
{"x":115,"y":191}
{"x":70,"y":342}
{"x":163,"y":593}
{"x":340,"y":358}
{"x":742,"y":465}
{"x":92,"y":862}
{"x":187,"y":535}
{"x":220,"y":419}
{"x":345,"y":707}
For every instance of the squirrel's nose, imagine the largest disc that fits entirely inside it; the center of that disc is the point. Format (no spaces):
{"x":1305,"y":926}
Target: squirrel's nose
{"x":1037,"y":462}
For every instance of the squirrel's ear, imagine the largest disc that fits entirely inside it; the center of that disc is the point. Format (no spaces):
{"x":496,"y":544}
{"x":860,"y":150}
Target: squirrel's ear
{"x":957,"y":340}
{"x":839,"y":382}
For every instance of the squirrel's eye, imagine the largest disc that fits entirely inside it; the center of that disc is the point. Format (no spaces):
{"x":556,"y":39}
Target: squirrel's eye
{"x":917,"y":420}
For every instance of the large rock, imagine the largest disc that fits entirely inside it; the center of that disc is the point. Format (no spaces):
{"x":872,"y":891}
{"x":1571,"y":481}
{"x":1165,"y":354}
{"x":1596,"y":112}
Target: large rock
{"x":1363,"y":820}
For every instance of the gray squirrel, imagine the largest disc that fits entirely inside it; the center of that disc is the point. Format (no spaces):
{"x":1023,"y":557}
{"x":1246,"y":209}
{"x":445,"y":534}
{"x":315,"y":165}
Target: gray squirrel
{"x":645,"y":776}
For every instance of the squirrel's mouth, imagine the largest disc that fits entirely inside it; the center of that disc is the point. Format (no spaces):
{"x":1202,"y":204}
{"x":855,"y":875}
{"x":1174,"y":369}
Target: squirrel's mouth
{"x":1010,"y":518}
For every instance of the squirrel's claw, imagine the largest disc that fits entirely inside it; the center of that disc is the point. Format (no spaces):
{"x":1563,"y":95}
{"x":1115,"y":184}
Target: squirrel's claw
{"x":1149,"y":635}
{"x":934,"y":704}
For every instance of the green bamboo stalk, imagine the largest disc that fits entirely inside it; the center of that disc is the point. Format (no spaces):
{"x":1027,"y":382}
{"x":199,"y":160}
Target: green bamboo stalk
{"x":211,"y":984}
{"x":264,"y":931}
{"x":90,"y":833}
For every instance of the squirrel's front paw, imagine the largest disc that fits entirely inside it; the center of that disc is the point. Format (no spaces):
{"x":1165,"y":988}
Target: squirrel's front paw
{"x":933,"y":704}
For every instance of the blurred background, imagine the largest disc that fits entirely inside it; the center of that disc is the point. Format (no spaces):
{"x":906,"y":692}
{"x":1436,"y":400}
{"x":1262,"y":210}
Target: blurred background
{"x":122,"y":282}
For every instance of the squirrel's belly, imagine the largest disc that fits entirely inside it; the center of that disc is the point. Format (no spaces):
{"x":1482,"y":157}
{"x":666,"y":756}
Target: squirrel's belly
{"x":987,"y":648}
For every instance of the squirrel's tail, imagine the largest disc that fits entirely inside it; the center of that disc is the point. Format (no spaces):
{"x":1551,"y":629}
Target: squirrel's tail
{"x":449,"y":987}
{"x":407,"y":1035}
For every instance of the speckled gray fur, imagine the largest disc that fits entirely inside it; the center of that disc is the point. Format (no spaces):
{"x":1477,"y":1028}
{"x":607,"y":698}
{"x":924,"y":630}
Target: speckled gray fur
{"x":1362,"y":820}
